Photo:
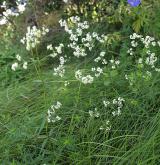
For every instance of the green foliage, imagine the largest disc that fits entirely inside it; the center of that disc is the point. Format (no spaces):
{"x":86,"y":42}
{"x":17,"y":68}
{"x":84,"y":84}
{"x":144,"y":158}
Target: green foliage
{"x":95,"y":10}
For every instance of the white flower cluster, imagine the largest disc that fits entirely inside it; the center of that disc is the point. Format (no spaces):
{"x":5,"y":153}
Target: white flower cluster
{"x":106,"y":103}
{"x":101,"y":58}
{"x":56,"y":51}
{"x":80,"y":40}
{"x":150,"y":58}
{"x":66,"y":83}
{"x":97,"y":71}
{"x":60,"y":70}
{"x":114,"y":63}
{"x":130,"y":51}
{"x":80,"y":43}
{"x":52,"y":117}
{"x":18,"y":63}
{"x":88,"y":79}
{"x":115,"y":103}
{"x":8,"y":12}
{"x":14,"y":66}
{"x":65,"y":1}
{"x":33,"y":37}
{"x":147,"y":41}
{"x":106,"y":126}
{"x":94,"y":113}
{"x":135,"y":36}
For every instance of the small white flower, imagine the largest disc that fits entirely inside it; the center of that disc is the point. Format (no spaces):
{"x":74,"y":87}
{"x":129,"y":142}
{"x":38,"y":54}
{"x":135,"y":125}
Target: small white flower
{"x":87,"y":79}
{"x":25,"y":65}
{"x":154,"y":43}
{"x":126,"y":76}
{"x":21,"y":8}
{"x":158,"y":43}
{"x":157,"y":69}
{"x":53,"y":55}
{"x":94,"y":113}
{"x":33,"y":37}
{"x":149,"y":73}
{"x":18,"y":57}
{"x":140,"y":60}
{"x":117,"y":62}
{"x":66,"y":83}
{"x":14,"y":66}
{"x":51,"y":114}
{"x":59,"y":71}
{"x":106,"y":127}
{"x":65,"y":1}
{"x":106,"y":103}
{"x":49,"y":47}
{"x":58,"y":105}
{"x":102,"y":54}
{"x":58,"y":118}
{"x":91,"y":113}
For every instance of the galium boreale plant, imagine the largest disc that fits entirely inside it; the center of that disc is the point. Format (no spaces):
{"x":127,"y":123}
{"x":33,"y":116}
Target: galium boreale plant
{"x":140,"y":60}
{"x":33,"y":37}
{"x":32,"y":40}
{"x":19,"y":63}
{"x":81,"y":44}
